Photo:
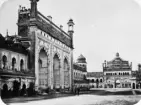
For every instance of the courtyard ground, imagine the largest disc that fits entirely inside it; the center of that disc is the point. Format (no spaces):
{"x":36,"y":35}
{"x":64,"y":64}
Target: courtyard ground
{"x":87,"y":100}
{"x":93,"y":97}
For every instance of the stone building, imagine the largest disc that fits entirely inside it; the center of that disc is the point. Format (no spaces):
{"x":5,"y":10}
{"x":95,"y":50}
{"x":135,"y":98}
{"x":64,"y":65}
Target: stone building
{"x":118,"y":73}
{"x":51,"y":48}
{"x":80,"y":71}
{"x":14,"y":63}
{"x":41,"y":51}
{"x":95,"y":79}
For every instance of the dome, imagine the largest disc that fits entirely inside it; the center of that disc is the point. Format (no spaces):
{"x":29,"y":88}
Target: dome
{"x":81,"y":59}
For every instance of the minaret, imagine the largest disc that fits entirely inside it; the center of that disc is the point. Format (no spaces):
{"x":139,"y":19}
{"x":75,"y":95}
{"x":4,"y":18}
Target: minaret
{"x":70,"y":29}
{"x":33,"y":8}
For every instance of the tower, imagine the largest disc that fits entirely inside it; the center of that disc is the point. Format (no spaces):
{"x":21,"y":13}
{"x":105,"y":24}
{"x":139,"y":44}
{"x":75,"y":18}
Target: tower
{"x":70,"y":29}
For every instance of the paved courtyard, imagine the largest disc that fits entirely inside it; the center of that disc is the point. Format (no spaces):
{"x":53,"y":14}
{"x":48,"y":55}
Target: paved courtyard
{"x":87,"y":100}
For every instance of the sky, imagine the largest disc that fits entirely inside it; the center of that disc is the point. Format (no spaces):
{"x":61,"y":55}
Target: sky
{"x":102,"y":27}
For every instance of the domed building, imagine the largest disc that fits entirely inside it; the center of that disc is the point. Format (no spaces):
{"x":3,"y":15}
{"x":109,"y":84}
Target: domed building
{"x":118,"y":73}
{"x":80,"y":71}
{"x":81,"y":60}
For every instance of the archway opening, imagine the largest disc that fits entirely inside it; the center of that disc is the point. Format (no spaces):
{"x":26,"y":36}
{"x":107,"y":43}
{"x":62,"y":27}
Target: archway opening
{"x":13,"y":63}
{"x":97,"y":83}
{"x":43,"y":69}
{"x":4,"y":60}
{"x":56,"y":71}
{"x":66,"y":73}
{"x":21,"y":64}
{"x":133,"y":86}
{"x":117,"y":84}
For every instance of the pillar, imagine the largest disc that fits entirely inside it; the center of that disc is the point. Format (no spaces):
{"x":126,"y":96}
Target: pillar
{"x":51,"y":66}
{"x":62,"y":70}
{"x":36,"y":61}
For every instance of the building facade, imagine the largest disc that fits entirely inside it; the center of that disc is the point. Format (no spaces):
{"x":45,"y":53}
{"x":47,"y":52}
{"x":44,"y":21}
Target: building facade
{"x":51,"y":49}
{"x":117,"y":73}
{"x":95,"y":79}
{"x":47,"y":50}
{"x":79,"y":72}
{"x":13,"y":64}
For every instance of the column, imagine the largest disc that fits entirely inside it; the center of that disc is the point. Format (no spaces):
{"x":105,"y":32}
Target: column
{"x":71,"y":69}
{"x":62,"y":70}
{"x":36,"y":61}
{"x":51,"y":66}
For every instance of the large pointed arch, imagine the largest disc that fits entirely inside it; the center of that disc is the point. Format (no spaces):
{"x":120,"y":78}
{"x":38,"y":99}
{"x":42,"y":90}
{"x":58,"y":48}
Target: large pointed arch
{"x":43,"y":66}
{"x":66,"y":73}
{"x":56,"y":71}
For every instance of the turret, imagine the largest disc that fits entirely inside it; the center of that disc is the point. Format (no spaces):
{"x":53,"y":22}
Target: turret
{"x":70,"y":29}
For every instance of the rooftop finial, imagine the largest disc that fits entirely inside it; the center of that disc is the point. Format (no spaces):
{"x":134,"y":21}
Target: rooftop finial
{"x":117,"y":54}
{"x":7,"y":32}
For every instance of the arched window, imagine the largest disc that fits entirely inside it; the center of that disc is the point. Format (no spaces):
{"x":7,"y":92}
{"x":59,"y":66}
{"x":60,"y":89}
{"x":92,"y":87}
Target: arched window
{"x":4,"y":61}
{"x":13,"y":63}
{"x":92,"y":80}
{"x":97,"y":80}
{"x":100,"y":80}
{"x":21,"y":64}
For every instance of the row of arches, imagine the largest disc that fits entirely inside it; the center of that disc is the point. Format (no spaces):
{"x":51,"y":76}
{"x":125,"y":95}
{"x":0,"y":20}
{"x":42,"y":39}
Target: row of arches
{"x":44,"y":70}
{"x":14,"y":61}
{"x":124,"y":73}
{"x":96,"y":80}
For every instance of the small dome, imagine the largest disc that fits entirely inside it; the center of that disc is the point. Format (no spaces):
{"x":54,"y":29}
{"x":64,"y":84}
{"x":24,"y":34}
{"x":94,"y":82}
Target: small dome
{"x":81,"y":59}
{"x":117,"y":55}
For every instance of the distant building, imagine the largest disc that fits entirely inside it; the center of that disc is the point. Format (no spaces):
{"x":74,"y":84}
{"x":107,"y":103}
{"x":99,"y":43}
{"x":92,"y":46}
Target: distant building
{"x":95,"y":79}
{"x":80,"y":71}
{"x":118,"y":73}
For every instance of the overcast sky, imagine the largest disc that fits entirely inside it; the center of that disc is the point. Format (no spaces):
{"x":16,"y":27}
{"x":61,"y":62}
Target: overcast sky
{"x":102,"y":27}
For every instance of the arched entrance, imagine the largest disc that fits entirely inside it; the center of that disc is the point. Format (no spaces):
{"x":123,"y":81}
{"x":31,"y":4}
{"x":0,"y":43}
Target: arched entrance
{"x":4,"y":91}
{"x":56,"y":71}
{"x":66,"y":73}
{"x":133,"y":85}
{"x":117,"y":84}
{"x":97,"y":83}
{"x":43,"y":69}
{"x":13,"y":63}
